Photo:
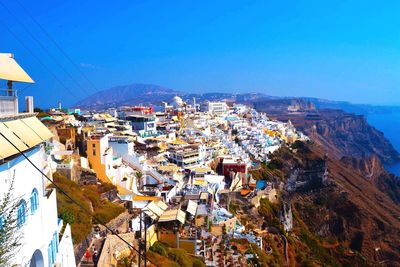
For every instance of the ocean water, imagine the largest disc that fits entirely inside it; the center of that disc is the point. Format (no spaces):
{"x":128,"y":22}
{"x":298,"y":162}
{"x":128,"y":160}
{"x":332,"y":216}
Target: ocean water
{"x":389,"y":124}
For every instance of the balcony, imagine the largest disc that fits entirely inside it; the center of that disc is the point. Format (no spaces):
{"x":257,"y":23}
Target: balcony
{"x":8,"y":102}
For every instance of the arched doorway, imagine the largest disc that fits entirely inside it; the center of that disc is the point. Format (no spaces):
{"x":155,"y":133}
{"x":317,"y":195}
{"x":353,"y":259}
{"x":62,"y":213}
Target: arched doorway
{"x":37,"y":259}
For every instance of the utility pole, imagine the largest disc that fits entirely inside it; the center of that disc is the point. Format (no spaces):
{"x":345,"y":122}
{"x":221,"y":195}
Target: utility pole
{"x":140,"y":239}
{"x":145,"y":240}
{"x":142,"y":243}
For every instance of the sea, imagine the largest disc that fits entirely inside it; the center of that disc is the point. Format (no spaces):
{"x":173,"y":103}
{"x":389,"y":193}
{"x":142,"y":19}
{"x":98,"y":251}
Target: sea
{"x":389,"y":124}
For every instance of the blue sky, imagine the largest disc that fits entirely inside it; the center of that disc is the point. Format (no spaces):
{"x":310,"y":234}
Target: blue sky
{"x":340,"y":50}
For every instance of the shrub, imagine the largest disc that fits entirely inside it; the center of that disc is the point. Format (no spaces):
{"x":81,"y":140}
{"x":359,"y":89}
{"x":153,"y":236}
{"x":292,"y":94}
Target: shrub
{"x":180,"y":256}
{"x":267,"y":209}
{"x":275,"y":164}
{"x":108,"y":211}
{"x":105,"y":187}
{"x":198,"y":263}
{"x":67,"y":216}
{"x":233,"y":207}
{"x":159,"y":248}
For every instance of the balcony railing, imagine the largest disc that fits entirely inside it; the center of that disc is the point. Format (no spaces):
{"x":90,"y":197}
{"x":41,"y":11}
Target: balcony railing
{"x":8,"y":102}
{"x":8,"y":93}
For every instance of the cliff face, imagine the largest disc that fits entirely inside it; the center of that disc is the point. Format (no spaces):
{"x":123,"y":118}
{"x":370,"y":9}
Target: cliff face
{"x":344,"y":209}
{"x":357,"y":207}
{"x":342,"y":134}
{"x":350,"y":135}
{"x":372,"y":170}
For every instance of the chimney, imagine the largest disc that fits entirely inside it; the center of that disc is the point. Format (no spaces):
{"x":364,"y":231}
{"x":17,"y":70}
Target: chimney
{"x":29,"y":104}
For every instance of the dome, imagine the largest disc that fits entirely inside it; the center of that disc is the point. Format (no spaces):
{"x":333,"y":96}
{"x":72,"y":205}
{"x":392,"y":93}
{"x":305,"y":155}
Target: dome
{"x":177,"y":101}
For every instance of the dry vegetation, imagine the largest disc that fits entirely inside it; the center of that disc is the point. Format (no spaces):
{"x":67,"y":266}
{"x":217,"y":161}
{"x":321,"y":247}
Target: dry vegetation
{"x":89,"y":197}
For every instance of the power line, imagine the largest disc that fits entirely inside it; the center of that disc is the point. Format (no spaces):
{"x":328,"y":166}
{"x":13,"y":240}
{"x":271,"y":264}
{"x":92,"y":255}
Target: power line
{"x":73,"y":200}
{"x":38,"y":59}
{"x":58,"y":46}
{"x":43,"y":47}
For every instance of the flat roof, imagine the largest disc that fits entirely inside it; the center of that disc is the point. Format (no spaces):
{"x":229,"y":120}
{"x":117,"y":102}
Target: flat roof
{"x":145,"y":116}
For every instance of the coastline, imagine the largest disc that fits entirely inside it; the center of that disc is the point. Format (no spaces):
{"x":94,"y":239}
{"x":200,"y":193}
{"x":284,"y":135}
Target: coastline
{"x":388,"y":123}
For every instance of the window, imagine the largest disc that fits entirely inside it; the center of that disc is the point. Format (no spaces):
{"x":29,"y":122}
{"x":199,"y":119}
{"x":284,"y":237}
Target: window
{"x":50,"y":254}
{"x":55,"y":240}
{"x":34,"y":200}
{"x":52,"y":249}
{"x":21,"y":214}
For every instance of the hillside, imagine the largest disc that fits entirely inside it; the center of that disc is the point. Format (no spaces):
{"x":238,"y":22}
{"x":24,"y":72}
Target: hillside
{"x":357,"y":212}
{"x":342,"y":221}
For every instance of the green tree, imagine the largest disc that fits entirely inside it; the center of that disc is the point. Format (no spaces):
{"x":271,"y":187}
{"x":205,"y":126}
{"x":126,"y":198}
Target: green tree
{"x":9,"y":233}
{"x":139,"y":176}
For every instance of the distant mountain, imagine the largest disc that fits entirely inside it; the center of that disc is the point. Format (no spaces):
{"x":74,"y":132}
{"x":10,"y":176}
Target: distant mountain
{"x":138,"y":93}
{"x":132,"y":94}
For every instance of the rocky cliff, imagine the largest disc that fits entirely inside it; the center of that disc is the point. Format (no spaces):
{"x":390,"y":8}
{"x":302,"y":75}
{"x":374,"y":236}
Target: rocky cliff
{"x":356,"y":210}
{"x":350,"y":135}
{"x":341,"y":216}
{"x":372,"y":170}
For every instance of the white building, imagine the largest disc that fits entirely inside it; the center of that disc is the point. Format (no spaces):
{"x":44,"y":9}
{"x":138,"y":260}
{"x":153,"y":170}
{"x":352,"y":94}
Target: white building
{"x":42,"y":242}
{"x":188,"y":156}
{"x":215,"y":108}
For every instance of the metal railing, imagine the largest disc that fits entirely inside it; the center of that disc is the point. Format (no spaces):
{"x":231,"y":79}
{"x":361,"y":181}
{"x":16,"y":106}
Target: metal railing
{"x":8,"y":93}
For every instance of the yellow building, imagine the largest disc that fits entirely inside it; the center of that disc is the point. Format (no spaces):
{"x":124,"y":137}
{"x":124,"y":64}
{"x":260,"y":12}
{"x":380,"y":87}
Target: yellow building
{"x":99,"y":155}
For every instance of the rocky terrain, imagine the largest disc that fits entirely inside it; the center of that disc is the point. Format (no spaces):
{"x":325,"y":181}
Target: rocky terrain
{"x":352,"y":211}
{"x":339,"y":217}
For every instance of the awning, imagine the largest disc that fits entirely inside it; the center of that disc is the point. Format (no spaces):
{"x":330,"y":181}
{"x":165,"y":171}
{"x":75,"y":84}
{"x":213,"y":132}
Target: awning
{"x":173,"y":215}
{"x":144,"y":198}
{"x":7,"y":149}
{"x":192,"y":207}
{"x":155,"y":209}
{"x":24,"y":133}
{"x":199,"y":181}
{"x":11,"y":71}
{"x":39,"y":128}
